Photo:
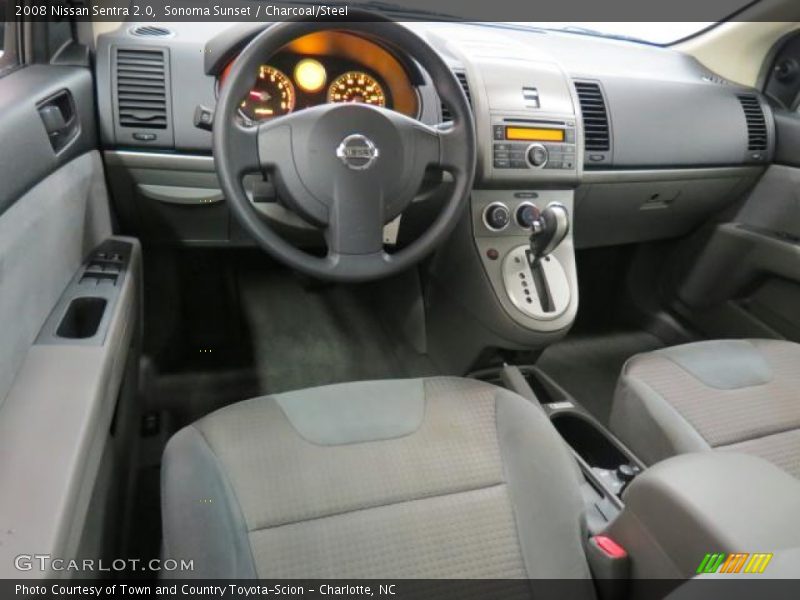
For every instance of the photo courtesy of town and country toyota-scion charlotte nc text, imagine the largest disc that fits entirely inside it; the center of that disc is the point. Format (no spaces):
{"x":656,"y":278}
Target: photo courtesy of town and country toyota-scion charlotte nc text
{"x":168,"y":11}
{"x":230,"y":590}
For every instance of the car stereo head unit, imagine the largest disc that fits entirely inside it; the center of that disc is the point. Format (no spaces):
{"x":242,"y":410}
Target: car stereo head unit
{"x":519,"y":144}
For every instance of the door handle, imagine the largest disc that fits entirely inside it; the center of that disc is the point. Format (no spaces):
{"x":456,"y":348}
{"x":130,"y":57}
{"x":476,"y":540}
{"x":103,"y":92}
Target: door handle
{"x":59,"y":118}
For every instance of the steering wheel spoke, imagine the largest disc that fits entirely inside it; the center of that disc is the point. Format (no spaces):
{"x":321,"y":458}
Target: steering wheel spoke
{"x":356,"y":218}
{"x":453,"y":155}
{"x":244,"y":148}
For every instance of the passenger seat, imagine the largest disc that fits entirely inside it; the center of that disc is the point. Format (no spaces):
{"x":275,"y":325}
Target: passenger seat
{"x":739,"y":395}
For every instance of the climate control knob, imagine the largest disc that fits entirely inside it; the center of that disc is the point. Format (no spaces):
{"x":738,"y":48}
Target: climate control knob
{"x":537,"y":155}
{"x":496,"y":216}
{"x":527,"y":213}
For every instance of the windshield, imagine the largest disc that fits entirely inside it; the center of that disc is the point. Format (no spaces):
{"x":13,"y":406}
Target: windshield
{"x":651,"y":33}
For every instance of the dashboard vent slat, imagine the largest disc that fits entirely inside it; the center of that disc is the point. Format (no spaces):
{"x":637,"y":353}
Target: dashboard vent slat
{"x":595,"y":116}
{"x":757,"y":136}
{"x":150,"y":31}
{"x":447,"y":116}
{"x":141,"y":88}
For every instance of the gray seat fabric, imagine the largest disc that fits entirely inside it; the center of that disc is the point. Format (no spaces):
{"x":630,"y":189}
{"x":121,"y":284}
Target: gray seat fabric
{"x":433,"y":478}
{"x":740,"y":395}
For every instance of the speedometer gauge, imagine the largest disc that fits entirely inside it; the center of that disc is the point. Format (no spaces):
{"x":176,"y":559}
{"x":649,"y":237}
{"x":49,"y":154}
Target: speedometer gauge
{"x":355,"y":86}
{"x":272,"y":96}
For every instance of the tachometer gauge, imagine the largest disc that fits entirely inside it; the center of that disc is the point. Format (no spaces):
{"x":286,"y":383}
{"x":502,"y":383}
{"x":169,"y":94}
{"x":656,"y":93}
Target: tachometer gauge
{"x":272,"y":96}
{"x":355,"y":86}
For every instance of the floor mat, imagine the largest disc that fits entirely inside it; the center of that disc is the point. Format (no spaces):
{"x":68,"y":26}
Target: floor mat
{"x":588,"y":365}
{"x":309,"y":336}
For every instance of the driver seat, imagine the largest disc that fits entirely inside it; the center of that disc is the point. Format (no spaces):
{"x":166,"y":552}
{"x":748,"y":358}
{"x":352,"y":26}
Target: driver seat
{"x":424,"y":478}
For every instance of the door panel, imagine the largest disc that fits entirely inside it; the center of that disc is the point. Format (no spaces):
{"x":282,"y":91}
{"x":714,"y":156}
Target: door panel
{"x":59,"y":386}
{"x":44,"y":236}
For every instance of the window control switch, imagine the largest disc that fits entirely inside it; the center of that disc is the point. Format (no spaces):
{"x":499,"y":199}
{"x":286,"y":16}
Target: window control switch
{"x":95,"y":278}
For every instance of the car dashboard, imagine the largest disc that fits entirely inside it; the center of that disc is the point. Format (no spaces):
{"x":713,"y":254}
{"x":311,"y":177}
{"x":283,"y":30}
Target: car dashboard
{"x":643,"y":138}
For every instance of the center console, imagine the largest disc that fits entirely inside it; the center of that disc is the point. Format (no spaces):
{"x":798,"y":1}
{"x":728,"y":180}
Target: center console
{"x":514,"y":254}
{"x":714,"y":513}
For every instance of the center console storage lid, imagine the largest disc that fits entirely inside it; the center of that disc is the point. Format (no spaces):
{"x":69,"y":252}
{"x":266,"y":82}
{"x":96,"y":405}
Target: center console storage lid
{"x":687,"y":506}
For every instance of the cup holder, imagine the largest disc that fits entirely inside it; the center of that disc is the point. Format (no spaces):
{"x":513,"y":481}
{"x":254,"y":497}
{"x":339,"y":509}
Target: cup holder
{"x":82,"y":319}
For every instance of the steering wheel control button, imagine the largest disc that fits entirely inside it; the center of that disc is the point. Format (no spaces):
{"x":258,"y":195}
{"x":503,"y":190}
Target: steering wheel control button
{"x":496,"y":216}
{"x":537,"y":156}
{"x":527,"y":213}
{"x":357,"y":152}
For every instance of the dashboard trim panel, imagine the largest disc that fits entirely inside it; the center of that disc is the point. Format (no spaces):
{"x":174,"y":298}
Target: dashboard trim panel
{"x":667,"y":174}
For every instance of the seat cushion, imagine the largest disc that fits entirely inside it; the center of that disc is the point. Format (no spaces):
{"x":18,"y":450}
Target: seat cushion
{"x":433,"y":478}
{"x":741,"y":395}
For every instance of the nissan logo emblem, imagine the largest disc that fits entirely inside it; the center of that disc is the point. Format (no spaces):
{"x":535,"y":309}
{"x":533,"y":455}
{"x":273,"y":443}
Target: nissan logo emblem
{"x":357,"y":152}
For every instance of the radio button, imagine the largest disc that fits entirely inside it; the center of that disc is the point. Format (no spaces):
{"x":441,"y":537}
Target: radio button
{"x":502,"y":163}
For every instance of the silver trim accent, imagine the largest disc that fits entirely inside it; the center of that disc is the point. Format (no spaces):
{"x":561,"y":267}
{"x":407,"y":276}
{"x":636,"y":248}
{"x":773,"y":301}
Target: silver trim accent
{"x":486,"y":222}
{"x":159,"y":160}
{"x":633,"y":175}
{"x":517,"y":278}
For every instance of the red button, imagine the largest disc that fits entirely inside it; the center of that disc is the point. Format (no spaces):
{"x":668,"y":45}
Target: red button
{"x":609,"y":546}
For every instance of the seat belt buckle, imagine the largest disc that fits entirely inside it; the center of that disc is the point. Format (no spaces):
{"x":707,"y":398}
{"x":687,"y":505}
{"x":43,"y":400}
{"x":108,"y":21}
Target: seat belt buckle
{"x":610,"y":565}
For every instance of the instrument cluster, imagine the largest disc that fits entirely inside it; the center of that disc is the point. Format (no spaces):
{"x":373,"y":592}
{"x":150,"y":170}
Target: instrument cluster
{"x":290,"y":82}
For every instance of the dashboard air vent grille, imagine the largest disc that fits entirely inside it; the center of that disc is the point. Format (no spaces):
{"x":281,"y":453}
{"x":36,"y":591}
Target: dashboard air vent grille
{"x":756,"y":124}
{"x":595,"y":116}
{"x":141,"y":88}
{"x":462,"y":79}
{"x":150,"y":31}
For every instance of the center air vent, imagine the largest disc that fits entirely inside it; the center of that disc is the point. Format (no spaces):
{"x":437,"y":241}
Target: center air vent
{"x":447,"y":116}
{"x":595,"y":116}
{"x":756,"y":124}
{"x":141,"y":88}
{"x":150,"y":31}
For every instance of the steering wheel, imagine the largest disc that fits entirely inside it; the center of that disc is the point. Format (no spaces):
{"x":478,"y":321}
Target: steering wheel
{"x":346,"y":168}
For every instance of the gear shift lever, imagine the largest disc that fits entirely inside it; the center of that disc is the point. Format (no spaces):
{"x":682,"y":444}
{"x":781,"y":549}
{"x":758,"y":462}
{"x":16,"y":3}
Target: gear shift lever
{"x":548,"y":231}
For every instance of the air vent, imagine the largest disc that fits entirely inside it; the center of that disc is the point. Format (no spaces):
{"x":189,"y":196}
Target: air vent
{"x":150,"y":31}
{"x":447,"y":116}
{"x":595,"y":116}
{"x":141,"y":89}
{"x":756,"y":124}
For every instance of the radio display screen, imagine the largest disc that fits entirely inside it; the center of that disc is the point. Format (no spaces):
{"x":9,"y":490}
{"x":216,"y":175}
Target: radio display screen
{"x":534,"y":134}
